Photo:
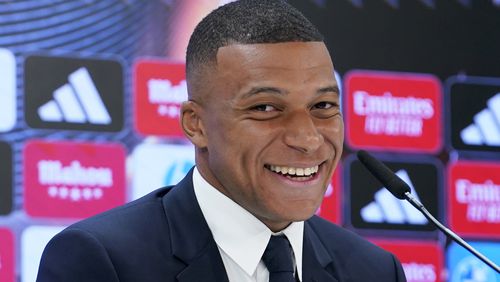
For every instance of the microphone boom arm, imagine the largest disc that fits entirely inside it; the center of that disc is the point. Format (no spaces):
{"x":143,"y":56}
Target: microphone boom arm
{"x":414,"y":202}
{"x":401,"y":190}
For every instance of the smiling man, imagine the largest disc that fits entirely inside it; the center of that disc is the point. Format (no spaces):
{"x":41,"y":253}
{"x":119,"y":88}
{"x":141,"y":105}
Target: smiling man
{"x":264,"y":116}
{"x":267,"y":128}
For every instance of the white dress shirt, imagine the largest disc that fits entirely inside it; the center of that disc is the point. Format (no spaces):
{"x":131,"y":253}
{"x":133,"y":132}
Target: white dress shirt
{"x":240,"y":237}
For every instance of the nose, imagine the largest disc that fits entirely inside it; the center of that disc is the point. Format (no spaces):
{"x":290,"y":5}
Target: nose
{"x":301,"y":133}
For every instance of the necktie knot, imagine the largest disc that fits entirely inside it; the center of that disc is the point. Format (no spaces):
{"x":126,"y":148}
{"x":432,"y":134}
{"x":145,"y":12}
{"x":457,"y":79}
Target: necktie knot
{"x":278,"y":259}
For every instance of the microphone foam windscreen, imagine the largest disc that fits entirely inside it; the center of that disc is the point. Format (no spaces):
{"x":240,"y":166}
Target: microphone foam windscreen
{"x":390,"y":180}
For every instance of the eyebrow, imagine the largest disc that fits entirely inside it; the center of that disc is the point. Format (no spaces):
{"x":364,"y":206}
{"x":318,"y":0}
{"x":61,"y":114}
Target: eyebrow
{"x":333,"y":88}
{"x":258,"y":90}
{"x":281,"y":92}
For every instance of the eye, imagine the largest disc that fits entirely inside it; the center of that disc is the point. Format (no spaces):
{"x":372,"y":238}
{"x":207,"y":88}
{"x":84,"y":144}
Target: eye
{"x":324,"y":105}
{"x":325,"y":109}
{"x":263,"y":108}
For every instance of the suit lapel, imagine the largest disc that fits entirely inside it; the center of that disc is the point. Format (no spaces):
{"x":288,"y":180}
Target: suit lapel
{"x":191,"y":239}
{"x":207,"y":267}
{"x":317,"y":263}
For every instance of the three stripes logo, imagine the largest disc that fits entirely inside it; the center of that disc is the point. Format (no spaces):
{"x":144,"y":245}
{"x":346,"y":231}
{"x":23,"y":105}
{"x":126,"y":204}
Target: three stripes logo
{"x":73,"y":93}
{"x":474,"y":114}
{"x":76,"y":102}
{"x":387,"y":208}
{"x":373,"y":207}
{"x":485,"y":130}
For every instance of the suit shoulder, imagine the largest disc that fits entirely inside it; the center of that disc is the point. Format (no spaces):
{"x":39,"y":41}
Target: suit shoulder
{"x":130,"y":217}
{"x":127,"y":243}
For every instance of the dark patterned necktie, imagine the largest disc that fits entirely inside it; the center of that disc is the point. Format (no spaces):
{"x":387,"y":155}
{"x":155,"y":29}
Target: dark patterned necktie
{"x":278,"y":260}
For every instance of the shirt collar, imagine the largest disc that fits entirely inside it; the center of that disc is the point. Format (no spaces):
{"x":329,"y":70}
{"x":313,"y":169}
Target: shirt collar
{"x":237,"y":232}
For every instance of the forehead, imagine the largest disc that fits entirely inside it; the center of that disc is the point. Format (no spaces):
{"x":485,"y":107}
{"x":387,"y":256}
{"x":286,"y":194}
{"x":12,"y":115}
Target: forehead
{"x":301,"y":67}
{"x":284,"y":56}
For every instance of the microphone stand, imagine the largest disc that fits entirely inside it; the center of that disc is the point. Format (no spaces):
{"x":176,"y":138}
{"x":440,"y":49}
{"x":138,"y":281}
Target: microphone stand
{"x":414,"y":202}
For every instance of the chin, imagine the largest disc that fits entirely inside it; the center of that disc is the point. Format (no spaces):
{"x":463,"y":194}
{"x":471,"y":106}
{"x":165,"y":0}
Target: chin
{"x":302,"y":214}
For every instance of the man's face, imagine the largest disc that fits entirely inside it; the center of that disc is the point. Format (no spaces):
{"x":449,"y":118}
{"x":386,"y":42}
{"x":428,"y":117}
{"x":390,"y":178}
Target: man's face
{"x":272,"y":128}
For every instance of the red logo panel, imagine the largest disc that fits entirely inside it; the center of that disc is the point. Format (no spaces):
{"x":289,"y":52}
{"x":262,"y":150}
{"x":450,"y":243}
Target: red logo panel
{"x":72,"y":180}
{"x":160,"y":88}
{"x":474,"y":198}
{"x":6,"y":255}
{"x":396,"y":111}
{"x":421,"y":261}
{"x":330,"y":207}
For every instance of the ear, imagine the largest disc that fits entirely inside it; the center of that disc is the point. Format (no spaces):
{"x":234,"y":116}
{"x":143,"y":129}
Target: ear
{"x":192,"y":125}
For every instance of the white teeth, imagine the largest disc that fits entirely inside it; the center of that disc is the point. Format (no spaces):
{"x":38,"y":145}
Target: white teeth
{"x":298,"y":171}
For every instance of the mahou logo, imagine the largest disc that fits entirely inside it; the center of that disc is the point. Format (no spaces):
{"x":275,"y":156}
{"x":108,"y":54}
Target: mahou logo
{"x":330,"y":207}
{"x":474,"y":197}
{"x":421,"y":261}
{"x":160,"y":88}
{"x":73,"y":180}
{"x":6,"y":255}
{"x":395,"y":111}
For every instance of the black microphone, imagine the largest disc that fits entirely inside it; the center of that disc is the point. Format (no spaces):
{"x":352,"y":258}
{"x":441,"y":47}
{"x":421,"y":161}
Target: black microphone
{"x":393,"y":183}
{"x":401,"y":190}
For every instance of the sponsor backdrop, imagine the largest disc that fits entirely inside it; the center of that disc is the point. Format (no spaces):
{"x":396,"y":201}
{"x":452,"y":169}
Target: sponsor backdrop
{"x":89,"y":105}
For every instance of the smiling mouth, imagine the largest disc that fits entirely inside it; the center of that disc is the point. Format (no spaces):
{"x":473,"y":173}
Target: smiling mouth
{"x":294,"y":173}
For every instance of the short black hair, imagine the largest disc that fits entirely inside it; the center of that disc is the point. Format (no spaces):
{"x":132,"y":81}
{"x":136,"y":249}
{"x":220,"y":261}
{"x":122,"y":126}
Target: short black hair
{"x":247,"y":22}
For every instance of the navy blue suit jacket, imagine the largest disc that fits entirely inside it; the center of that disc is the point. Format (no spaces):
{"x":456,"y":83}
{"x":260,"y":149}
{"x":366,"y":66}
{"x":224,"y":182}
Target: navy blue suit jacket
{"x":164,"y":237}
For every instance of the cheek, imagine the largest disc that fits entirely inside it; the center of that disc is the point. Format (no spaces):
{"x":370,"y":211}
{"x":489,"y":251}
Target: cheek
{"x":250,"y":138}
{"x":334,"y":133}
{"x":340,"y":132}
{"x":219,"y":131}
{"x":233,"y":151}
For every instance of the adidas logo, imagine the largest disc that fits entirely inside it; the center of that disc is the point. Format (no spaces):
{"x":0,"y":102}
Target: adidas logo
{"x":486,"y":127}
{"x":389,"y":209}
{"x":76,"y":102}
